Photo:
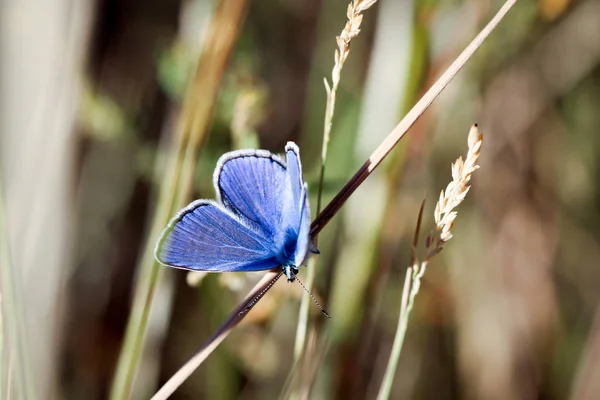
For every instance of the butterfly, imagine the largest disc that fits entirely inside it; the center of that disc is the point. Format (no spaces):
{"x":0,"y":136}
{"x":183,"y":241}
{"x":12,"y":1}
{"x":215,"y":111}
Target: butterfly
{"x":260,"y":221}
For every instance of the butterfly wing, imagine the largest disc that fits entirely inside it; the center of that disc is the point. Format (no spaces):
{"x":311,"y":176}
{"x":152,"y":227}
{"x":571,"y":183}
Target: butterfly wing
{"x":303,"y":230}
{"x":296,"y":209}
{"x":206,"y":237}
{"x":252,"y":184}
{"x":294,"y":170}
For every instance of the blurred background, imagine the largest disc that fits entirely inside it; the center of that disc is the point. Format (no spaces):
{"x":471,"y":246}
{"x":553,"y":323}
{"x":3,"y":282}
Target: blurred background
{"x":98,"y":99}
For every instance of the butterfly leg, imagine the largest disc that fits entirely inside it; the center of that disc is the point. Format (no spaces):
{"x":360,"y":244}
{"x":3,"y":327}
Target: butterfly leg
{"x":313,"y":248}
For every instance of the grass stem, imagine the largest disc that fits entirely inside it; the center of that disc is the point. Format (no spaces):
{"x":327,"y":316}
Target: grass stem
{"x":16,"y":374}
{"x":444,"y":216}
{"x":350,"y":31}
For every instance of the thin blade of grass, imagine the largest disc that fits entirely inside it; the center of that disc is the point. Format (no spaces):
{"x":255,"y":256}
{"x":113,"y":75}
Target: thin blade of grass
{"x":388,"y":377}
{"x":302,"y":327}
{"x":415,"y":243}
{"x":15,"y":361}
{"x":350,"y":31}
{"x":449,"y":200}
{"x":390,"y":371}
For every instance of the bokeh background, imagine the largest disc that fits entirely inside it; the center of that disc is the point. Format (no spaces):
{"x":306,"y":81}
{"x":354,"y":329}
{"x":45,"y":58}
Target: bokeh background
{"x":93,"y":98}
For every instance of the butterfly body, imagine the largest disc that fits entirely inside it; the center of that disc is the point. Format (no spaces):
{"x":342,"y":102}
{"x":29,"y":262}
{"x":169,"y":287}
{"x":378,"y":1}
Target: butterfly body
{"x":260,"y":221}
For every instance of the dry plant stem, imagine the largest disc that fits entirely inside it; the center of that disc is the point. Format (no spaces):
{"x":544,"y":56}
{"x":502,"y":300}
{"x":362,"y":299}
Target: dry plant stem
{"x":9,"y":393}
{"x":378,"y":155}
{"x":412,"y":284}
{"x":15,"y":361}
{"x":400,"y":130}
{"x":304,"y":311}
{"x":350,"y":31}
{"x":415,"y":243}
{"x":388,"y":378}
{"x":444,"y":216}
{"x":177,"y":182}
{"x":213,"y":342}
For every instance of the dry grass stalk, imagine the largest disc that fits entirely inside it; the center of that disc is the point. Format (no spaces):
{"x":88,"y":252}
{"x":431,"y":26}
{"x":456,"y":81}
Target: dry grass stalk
{"x":350,"y":31}
{"x":444,"y":216}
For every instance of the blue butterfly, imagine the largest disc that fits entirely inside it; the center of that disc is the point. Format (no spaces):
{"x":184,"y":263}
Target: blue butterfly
{"x":260,"y":221}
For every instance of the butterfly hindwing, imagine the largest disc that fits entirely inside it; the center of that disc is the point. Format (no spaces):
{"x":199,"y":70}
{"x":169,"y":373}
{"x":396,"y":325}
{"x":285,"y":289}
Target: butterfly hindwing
{"x":303,"y":230}
{"x":206,"y":237}
{"x":294,"y":170}
{"x":296,"y":214}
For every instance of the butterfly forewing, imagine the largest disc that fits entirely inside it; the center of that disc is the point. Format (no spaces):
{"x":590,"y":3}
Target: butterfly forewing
{"x":204,"y":236}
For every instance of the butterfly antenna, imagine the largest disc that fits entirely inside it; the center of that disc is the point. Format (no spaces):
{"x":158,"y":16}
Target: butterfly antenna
{"x":313,"y":298}
{"x":260,"y":295}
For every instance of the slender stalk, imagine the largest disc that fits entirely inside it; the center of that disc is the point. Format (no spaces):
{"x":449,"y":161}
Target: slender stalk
{"x":351,"y":30}
{"x":406,"y":305}
{"x":177,"y":182}
{"x":415,"y":243}
{"x":16,"y":373}
{"x":3,"y":353}
{"x":412,"y":283}
{"x":303,"y":314}
{"x":444,"y":216}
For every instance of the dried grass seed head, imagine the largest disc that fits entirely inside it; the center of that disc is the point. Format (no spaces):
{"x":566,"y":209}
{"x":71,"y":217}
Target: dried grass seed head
{"x":350,"y":31}
{"x":457,"y":189}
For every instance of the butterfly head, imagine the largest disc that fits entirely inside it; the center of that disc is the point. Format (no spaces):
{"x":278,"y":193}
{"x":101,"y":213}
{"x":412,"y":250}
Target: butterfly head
{"x":290,"y":271}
